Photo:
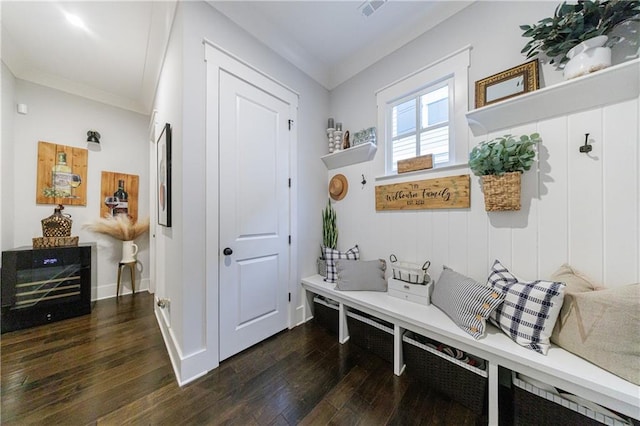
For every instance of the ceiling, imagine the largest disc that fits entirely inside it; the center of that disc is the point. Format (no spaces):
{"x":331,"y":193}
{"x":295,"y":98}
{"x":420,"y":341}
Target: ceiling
{"x":117,"y":56}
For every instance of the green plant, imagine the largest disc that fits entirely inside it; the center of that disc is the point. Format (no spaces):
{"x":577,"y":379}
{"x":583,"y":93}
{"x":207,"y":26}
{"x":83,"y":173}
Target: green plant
{"x":329,"y":227}
{"x":572,"y":24}
{"x":505,"y":154}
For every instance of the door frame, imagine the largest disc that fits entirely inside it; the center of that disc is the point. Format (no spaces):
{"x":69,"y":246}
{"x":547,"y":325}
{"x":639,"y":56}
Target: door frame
{"x":217,"y":59}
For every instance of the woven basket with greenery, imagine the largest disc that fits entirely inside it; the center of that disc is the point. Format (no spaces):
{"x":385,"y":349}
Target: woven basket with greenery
{"x":501,"y":192}
{"x":500,"y":162}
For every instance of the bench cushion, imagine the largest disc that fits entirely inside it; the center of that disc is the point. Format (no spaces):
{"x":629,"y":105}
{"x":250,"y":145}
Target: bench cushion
{"x":530,"y":308}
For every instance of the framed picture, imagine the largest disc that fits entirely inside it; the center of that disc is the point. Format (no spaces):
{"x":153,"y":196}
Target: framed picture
{"x":507,"y":84}
{"x":164,"y":176}
{"x":61,"y":175}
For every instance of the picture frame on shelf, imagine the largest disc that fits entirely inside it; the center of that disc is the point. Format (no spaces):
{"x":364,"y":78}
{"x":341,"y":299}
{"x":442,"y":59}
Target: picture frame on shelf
{"x":164,"y":176}
{"x":507,"y":84}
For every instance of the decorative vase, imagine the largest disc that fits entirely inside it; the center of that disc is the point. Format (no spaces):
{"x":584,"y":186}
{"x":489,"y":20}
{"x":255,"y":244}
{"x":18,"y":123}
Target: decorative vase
{"x":129,"y":251}
{"x":501,"y":192}
{"x":589,"y":56}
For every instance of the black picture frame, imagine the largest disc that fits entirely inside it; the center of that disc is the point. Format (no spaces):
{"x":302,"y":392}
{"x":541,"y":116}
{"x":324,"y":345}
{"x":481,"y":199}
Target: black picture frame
{"x":163,"y":168}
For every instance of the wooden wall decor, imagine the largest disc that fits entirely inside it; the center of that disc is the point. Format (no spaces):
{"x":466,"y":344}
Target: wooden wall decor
{"x":61,"y":175}
{"x":109,"y":185}
{"x":451,"y":192}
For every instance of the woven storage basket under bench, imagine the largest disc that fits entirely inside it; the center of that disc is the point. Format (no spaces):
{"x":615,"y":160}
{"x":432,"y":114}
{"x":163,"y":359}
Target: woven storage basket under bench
{"x":457,"y":379}
{"x":533,"y":405}
{"x":371,"y":333}
{"x":325,"y":313}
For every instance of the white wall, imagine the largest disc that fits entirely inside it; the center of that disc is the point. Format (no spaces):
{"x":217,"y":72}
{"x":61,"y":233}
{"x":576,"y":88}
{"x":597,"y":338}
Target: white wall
{"x":6,"y":158}
{"x":64,"y":119}
{"x":192,"y":334}
{"x":576,"y":209}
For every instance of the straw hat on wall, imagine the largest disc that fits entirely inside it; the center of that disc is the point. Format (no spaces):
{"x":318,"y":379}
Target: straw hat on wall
{"x":338,"y":187}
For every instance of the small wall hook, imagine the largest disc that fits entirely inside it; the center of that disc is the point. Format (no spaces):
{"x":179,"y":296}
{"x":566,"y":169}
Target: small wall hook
{"x":587,"y":147}
{"x":364,"y":181}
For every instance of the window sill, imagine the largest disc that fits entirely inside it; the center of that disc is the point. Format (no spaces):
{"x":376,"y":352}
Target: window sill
{"x":423,"y":172}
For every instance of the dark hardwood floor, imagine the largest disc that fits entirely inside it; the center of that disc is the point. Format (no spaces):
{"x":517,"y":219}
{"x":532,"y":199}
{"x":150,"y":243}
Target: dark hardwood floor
{"x":112,"y":368}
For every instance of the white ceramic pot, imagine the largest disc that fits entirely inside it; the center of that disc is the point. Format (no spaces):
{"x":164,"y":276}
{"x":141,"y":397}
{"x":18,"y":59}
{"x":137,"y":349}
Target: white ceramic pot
{"x":129,"y":251}
{"x":587,"y":57}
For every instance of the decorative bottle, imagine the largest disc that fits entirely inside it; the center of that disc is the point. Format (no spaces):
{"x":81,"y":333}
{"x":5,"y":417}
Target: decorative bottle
{"x":123,"y":200}
{"x":58,"y":224}
{"x":61,"y":176}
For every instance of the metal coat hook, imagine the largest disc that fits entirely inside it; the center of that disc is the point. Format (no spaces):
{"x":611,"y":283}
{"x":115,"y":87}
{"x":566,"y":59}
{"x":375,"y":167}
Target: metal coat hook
{"x":587,"y":147}
{"x":364,"y":181}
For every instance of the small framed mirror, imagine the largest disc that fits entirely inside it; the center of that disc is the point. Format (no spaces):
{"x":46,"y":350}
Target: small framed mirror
{"x":507,"y":84}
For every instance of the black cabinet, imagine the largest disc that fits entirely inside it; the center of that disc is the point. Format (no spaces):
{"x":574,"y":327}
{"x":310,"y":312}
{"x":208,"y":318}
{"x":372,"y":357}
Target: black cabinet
{"x":45,"y":285}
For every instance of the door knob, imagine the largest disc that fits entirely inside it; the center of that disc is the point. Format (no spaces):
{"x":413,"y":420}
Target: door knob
{"x":227,"y":251}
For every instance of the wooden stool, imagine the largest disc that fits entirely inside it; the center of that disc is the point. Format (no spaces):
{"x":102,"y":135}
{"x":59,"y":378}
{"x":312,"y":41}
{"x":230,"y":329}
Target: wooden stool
{"x":132,"y":268}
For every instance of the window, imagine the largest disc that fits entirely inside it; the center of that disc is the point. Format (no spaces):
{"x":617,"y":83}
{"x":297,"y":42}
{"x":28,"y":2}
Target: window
{"x":420,"y":124}
{"x":424,"y":114}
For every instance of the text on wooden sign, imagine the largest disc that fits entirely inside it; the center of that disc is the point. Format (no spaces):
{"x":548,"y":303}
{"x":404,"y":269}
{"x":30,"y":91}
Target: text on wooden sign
{"x":451,"y":192}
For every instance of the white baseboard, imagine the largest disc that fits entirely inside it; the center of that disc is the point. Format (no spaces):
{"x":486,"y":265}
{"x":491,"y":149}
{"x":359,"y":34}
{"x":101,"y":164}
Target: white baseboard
{"x":109,"y":290}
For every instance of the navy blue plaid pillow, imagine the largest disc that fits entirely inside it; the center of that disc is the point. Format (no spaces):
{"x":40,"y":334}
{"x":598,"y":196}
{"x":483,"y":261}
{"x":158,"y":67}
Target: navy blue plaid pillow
{"x":331,"y":255}
{"x":530,"y":309}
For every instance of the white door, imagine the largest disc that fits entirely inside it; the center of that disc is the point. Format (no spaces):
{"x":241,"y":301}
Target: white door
{"x":254,"y":206}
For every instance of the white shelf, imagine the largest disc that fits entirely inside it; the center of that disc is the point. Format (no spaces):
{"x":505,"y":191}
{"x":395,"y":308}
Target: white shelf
{"x":353,"y":155}
{"x":611,"y":85}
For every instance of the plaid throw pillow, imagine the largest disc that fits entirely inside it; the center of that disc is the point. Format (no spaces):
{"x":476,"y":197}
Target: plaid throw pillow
{"x":530,"y":309}
{"x":331,"y":255}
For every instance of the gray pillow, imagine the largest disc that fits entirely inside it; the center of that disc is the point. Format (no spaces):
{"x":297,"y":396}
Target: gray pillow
{"x":465,"y":301}
{"x":361,"y":275}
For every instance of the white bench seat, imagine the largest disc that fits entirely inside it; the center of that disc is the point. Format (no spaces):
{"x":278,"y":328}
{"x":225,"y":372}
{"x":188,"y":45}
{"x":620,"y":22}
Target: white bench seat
{"x":558,"y":368}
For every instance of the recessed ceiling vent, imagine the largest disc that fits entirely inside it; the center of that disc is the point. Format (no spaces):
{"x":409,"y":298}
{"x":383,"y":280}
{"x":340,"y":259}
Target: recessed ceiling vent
{"x":368,"y":7}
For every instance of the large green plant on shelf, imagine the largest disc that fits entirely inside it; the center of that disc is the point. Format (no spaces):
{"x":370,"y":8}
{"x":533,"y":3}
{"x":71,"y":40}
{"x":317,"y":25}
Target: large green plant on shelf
{"x":571,"y":24}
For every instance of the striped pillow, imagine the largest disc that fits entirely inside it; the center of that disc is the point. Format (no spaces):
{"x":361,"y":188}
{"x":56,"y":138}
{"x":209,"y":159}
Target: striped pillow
{"x":467,"y":302}
{"x":530,"y":308}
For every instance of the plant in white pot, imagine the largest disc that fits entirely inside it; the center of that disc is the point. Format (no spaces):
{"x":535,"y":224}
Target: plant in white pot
{"x":500,"y":163}
{"x":122,"y":228}
{"x":577,"y":37}
{"x":329,"y":235}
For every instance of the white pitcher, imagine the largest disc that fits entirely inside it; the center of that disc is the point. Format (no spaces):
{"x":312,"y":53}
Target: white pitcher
{"x":129,"y":251}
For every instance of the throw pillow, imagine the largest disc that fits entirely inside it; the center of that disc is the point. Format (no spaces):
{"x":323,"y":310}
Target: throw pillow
{"x":361,"y":275}
{"x":465,"y":301}
{"x":530,"y":308}
{"x":603,"y":327}
{"x":575,"y":281}
{"x":331,"y":255}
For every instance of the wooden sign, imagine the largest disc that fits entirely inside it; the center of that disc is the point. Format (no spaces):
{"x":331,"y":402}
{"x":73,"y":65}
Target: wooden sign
{"x":61,"y":175}
{"x":450,"y":192}
{"x":108,"y":187}
{"x":416,"y":163}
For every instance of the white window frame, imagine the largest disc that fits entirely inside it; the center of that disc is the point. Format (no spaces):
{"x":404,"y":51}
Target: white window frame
{"x":454,"y":66}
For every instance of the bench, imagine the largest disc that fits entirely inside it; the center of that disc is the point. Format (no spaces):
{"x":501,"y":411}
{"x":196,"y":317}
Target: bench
{"x":558,"y":368}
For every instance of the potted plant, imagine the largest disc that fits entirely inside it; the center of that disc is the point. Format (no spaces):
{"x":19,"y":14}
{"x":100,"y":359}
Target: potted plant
{"x":122,"y":228}
{"x":575,"y":36}
{"x":329,"y":235}
{"x":500,"y":162}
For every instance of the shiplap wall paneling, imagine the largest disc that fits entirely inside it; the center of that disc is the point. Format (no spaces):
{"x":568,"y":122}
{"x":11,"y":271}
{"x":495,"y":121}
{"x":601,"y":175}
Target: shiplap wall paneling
{"x":586,"y":216}
{"x":500,"y":231}
{"x":524,"y":225}
{"x":458,"y":250}
{"x":478,"y":252}
{"x":553,"y":196}
{"x":620,"y":180}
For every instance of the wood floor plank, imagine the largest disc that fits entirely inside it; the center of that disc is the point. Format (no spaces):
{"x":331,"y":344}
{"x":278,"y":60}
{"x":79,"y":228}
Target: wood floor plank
{"x":112,"y":368}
